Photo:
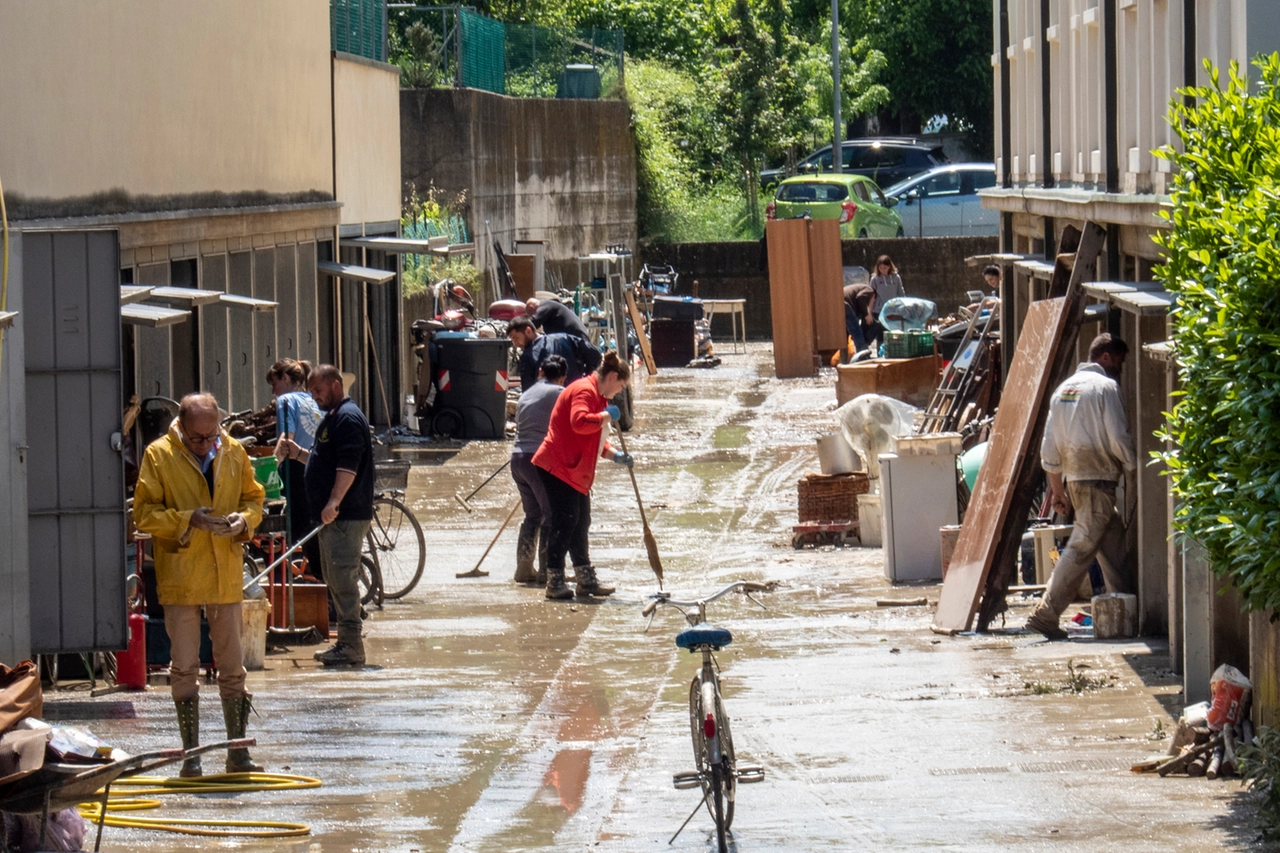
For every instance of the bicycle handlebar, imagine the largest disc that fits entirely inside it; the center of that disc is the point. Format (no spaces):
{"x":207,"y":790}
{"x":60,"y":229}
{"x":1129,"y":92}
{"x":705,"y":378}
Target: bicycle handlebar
{"x":745,"y":586}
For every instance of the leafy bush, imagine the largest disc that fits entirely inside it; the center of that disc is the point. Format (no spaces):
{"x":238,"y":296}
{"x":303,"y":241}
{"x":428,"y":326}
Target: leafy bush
{"x":1224,"y":265}
{"x":1259,"y":766}
{"x":437,"y":214}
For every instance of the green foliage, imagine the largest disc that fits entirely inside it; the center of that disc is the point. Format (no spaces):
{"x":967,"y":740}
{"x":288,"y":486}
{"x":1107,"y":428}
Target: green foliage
{"x":1259,"y":766}
{"x":436,"y":214}
{"x":1223,"y":263}
{"x":939,"y":59}
{"x":416,"y":51}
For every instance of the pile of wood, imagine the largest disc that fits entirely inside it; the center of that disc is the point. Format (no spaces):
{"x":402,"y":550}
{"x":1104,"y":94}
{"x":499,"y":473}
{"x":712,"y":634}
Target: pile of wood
{"x":1198,"y":750}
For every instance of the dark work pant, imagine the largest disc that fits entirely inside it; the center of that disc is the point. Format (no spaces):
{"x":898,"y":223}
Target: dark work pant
{"x":533,"y":497}
{"x":298,"y":509}
{"x":570,"y":521}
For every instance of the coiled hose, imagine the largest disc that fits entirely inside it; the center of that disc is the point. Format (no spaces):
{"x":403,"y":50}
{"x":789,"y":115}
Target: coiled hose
{"x":141,"y":791}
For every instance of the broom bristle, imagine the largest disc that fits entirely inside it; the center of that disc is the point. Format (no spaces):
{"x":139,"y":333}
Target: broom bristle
{"x":655,"y":562}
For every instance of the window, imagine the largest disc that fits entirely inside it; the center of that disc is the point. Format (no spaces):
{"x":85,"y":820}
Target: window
{"x":860,"y":190}
{"x":975,"y":181}
{"x":813,"y":192}
{"x":943,"y":183}
{"x":917,"y":159}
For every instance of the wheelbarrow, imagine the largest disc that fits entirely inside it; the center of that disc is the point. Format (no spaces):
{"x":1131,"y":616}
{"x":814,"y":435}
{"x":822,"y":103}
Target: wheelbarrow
{"x":58,"y":786}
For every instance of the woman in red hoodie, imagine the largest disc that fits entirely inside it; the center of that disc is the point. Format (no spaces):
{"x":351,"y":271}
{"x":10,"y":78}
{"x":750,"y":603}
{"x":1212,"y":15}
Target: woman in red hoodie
{"x":566,"y":462}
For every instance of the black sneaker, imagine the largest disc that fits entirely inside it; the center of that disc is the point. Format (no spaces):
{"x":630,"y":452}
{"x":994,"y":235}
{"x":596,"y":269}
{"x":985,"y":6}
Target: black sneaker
{"x":342,"y":654}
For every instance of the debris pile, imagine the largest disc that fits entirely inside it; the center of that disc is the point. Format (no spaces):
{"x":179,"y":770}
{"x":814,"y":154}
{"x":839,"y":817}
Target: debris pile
{"x":1209,"y":733}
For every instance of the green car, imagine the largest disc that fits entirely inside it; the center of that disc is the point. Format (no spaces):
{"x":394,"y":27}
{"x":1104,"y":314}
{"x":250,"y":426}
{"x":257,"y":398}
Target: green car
{"x":855,"y":200}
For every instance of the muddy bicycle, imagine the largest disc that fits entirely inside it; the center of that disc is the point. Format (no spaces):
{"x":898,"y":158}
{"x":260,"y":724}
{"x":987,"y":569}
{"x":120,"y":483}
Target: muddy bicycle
{"x":717,"y":773}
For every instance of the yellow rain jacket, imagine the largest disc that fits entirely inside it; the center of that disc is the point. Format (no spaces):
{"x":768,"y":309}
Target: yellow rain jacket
{"x":194,"y":566}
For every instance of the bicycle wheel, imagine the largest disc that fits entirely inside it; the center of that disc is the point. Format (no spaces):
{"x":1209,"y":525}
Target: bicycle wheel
{"x":401,"y":548}
{"x":717,"y":778}
{"x":370,"y":582}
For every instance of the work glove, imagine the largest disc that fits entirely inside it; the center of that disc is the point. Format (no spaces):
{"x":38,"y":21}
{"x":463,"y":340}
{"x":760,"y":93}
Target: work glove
{"x":623,"y":458}
{"x":613,"y":412}
{"x":235,"y":526}
{"x":201,"y":519}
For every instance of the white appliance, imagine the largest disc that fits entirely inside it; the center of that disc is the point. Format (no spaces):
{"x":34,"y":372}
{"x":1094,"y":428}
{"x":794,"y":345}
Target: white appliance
{"x":917,"y":497}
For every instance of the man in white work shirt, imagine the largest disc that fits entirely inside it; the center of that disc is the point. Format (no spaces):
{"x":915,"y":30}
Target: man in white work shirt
{"x":1086,"y":447}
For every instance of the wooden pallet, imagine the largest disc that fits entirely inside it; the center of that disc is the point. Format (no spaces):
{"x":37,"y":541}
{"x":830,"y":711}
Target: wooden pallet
{"x":824,"y":533}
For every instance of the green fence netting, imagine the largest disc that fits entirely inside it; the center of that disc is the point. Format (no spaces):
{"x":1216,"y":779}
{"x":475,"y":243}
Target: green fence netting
{"x":359,"y":27}
{"x":483,"y":64}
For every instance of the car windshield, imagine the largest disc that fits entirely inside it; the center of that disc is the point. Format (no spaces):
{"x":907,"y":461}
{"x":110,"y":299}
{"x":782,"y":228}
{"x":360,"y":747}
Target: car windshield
{"x":812,"y":191}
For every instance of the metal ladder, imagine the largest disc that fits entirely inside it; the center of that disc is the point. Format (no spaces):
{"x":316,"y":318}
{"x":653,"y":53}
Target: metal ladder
{"x":941,"y":414}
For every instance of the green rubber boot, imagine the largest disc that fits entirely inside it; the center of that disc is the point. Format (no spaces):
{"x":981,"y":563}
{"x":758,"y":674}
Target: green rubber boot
{"x":236,"y":714}
{"x":189,"y":729}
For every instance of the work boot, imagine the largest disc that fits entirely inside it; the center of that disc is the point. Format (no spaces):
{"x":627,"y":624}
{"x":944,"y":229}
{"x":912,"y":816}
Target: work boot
{"x":189,"y":729}
{"x":1043,"y":621}
{"x":556,"y":588}
{"x":235,"y":712}
{"x":342,"y":654}
{"x":526,"y":547}
{"x":589,"y":584}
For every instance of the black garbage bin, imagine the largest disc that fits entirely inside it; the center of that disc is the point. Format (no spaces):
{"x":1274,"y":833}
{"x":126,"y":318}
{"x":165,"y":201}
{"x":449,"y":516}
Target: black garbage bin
{"x":471,"y":388}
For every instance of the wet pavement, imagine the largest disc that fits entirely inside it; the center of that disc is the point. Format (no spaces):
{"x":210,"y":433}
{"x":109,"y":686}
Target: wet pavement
{"x":491,"y":720}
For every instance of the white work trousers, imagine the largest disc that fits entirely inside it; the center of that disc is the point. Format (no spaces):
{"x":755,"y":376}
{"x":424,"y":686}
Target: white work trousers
{"x":1098,"y":532}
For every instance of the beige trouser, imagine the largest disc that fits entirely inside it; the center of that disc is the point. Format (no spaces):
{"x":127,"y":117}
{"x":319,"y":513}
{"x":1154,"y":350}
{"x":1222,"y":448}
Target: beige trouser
{"x":1098,"y":532}
{"x":182,"y":623}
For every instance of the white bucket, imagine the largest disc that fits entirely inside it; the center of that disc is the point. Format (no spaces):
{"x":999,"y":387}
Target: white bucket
{"x":253,"y":631}
{"x":836,"y":455}
{"x":870,"y":521}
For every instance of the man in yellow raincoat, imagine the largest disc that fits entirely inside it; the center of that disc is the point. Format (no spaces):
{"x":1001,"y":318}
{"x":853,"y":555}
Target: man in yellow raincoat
{"x":198,"y":499}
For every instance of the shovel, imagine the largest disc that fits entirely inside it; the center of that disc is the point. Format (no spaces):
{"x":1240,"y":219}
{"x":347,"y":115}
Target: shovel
{"x":650,"y":544}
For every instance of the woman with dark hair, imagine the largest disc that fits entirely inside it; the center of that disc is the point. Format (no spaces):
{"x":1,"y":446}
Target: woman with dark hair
{"x":566,"y":462}
{"x":886,"y":282}
{"x":533,"y":415}
{"x":297,"y":418}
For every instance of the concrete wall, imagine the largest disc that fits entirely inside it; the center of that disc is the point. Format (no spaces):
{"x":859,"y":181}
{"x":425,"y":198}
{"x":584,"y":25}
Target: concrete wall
{"x":931,"y":268}
{"x":163,"y":99}
{"x":366,"y":132}
{"x":540,"y":169}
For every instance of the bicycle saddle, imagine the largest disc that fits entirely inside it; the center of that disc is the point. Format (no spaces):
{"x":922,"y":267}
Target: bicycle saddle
{"x":704,"y":634}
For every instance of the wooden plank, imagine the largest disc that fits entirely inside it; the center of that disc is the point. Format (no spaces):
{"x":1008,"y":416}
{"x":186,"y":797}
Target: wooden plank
{"x":522,"y":272}
{"x":790,"y":299}
{"x":993,"y":524}
{"x":826,"y":273}
{"x":637,"y":322}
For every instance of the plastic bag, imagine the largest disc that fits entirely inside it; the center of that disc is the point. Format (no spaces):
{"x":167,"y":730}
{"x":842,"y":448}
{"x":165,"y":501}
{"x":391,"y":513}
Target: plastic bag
{"x":1229,"y":689}
{"x":66,"y":830}
{"x":869,"y":421}
{"x":903,"y":313}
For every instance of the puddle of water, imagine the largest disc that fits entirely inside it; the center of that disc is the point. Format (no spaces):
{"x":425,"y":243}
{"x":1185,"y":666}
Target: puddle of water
{"x":727,"y":437}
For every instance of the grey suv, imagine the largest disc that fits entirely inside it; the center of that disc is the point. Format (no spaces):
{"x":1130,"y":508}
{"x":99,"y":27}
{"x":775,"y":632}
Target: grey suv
{"x":885,"y":160}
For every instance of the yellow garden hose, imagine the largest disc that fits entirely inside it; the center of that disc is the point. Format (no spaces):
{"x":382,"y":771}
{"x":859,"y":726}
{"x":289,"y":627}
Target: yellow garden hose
{"x":134,"y":799}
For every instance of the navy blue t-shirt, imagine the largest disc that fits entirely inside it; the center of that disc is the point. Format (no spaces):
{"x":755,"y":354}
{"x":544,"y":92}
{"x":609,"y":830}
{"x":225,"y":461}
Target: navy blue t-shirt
{"x":342,"y":443}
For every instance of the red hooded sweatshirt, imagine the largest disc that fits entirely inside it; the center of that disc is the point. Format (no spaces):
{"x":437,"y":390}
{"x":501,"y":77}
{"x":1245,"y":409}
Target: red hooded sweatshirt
{"x":573,"y":442}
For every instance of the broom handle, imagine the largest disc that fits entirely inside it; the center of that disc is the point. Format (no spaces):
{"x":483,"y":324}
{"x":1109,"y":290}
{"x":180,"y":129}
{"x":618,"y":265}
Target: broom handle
{"x":632,"y":471}
{"x":514,"y":507}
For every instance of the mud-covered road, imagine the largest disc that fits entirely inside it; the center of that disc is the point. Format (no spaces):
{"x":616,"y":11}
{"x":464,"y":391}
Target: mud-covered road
{"x":492,"y":720}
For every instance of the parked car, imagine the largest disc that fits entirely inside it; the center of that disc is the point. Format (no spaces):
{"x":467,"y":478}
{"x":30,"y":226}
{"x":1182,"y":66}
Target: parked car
{"x":943,"y":202}
{"x":885,"y":160}
{"x":855,"y":200}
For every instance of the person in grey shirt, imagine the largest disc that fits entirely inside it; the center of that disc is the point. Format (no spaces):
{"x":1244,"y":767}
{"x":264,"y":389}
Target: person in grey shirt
{"x":886,"y":282}
{"x":533,"y":413}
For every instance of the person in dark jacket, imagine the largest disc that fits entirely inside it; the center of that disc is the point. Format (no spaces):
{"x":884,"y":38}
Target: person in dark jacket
{"x":859,"y":316}
{"x":566,"y":462}
{"x":551,"y":316}
{"x":578,"y":353}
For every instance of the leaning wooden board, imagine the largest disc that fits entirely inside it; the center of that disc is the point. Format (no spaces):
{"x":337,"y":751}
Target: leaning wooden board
{"x":637,"y":323}
{"x":826,"y":273}
{"x":790,"y":301}
{"x":994,"y":521}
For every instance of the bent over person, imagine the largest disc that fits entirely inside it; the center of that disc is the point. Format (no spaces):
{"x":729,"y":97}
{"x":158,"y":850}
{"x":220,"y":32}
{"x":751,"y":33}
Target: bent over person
{"x":1086,"y":447}
{"x":197,"y":498}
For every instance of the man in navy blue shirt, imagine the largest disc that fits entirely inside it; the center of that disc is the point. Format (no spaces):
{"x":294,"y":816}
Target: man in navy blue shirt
{"x":578,"y":353}
{"x":339,"y":480}
{"x":552,"y":316}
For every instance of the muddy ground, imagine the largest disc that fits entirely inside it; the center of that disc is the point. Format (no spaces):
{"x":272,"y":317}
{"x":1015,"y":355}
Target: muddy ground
{"x":491,"y":720}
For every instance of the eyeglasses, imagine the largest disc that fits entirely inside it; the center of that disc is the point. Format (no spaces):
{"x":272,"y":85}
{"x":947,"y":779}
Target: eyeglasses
{"x":196,"y":438}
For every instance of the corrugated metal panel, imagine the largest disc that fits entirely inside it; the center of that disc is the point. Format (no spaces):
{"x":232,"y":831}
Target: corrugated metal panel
{"x":287,"y":302}
{"x":75,"y":479}
{"x":240,"y":280}
{"x":15,"y":597}
{"x":264,"y":324}
{"x":215,"y":375}
{"x":308,"y":316}
{"x":383,"y":371}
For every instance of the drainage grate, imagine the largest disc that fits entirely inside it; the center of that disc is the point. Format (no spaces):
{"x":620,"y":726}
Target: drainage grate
{"x":1103,"y":764}
{"x":968,"y":771}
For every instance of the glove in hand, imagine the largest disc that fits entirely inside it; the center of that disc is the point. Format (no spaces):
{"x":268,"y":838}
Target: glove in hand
{"x":623,"y":458}
{"x":613,"y":412}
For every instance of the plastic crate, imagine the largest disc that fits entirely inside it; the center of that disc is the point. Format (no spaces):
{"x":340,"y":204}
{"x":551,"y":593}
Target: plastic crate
{"x":831,"y":498}
{"x":391,"y":476}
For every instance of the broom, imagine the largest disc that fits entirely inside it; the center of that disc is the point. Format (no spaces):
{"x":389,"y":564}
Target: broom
{"x":650,"y":544}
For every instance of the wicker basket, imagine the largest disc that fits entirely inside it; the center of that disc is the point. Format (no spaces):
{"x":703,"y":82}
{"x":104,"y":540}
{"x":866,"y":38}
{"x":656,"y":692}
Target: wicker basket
{"x":391,"y":476}
{"x":831,"y":498}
